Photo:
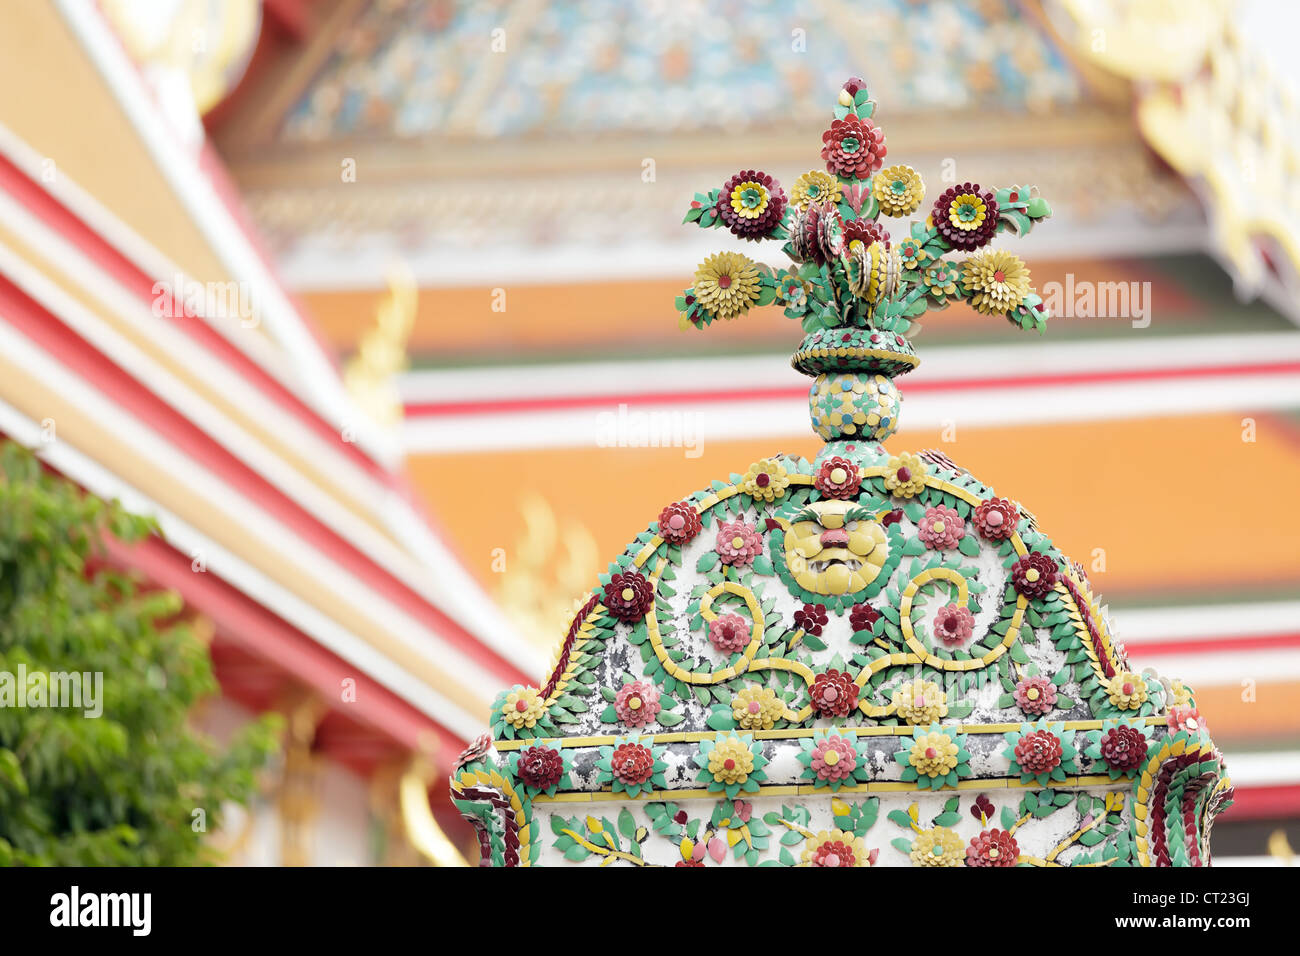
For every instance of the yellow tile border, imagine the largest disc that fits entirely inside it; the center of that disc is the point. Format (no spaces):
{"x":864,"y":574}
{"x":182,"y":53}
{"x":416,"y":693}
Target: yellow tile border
{"x":791,"y":733}
{"x":605,"y":794}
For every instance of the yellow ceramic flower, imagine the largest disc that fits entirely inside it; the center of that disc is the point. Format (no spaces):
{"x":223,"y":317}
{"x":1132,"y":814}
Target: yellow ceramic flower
{"x":933,"y":755}
{"x":905,"y":475}
{"x":726,"y":284}
{"x":523,"y":707}
{"x":920,"y":702}
{"x":1127,"y":691}
{"x":967,"y":212}
{"x":730,"y":761}
{"x":766,"y":480}
{"x":749,"y":200}
{"x":1180,"y":692}
{"x":814,"y":186}
{"x":899,"y":190}
{"x":756,"y":708}
{"x":835,"y":848}
{"x":938,"y":847}
{"x":996,"y":281}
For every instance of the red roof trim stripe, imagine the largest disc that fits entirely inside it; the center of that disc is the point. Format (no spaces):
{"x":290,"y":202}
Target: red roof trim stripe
{"x":59,"y":218}
{"x":82,"y":359}
{"x":568,"y":402}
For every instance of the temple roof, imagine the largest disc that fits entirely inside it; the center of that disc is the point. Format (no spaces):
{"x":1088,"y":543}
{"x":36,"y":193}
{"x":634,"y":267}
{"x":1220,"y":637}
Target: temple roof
{"x":403,"y":71}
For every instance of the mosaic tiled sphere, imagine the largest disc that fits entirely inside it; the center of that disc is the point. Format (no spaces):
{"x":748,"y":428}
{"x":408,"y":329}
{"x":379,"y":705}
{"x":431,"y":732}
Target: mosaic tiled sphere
{"x":854,"y":405}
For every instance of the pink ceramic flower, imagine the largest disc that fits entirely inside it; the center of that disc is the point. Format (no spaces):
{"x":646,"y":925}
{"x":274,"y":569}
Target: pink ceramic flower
{"x":1185,"y":718}
{"x":1035,"y":695}
{"x":729,"y":633}
{"x":954,"y":624}
{"x":941,"y":528}
{"x":834,"y":758}
{"x":637,"y":703}
{"x":738,"y":543}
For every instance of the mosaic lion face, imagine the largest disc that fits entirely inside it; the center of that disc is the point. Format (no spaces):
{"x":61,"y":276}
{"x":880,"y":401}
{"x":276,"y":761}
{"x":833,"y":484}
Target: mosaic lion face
{"x":835,"y":547}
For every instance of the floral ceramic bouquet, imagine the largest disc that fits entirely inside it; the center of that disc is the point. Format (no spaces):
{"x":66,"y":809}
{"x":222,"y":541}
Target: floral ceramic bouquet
{"x":848,"y":273}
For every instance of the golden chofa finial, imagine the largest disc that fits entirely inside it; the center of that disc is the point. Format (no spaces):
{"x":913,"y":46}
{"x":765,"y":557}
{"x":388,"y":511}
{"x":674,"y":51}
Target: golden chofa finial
{"x":371,"y":375}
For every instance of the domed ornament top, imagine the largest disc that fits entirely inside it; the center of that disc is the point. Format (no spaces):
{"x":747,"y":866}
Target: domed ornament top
{"x":863,"y":659}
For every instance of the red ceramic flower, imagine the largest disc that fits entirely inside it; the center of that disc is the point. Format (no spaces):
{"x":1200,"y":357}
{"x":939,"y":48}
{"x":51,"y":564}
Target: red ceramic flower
{"x":993,"y":848}
{"x":812,"y":618}
{"x":1038,"y":752}
{"x":628,"y":595}
{"x":833,"y":853}
{"x":689,"y":863}
{"x":838,"y":478}
{"x":941,"y":528}
{"x":1034,"y":575}
{"x":1035,"y":694}
{"x":738,"y":543}
{"x":678,"y":523}
{"x":751,"y":204}
{"x":632,"y":763}
{"x":966,"y":217}
{"x":1124,"y":748}
{"x":954,"y":624}
{"x":540,"y":767}
{"x":996,"y":518}
{"x":834,"y":694}
{"x":854,"y":147}
{"x":637,"y":703}
{"x":862,"y":616}
{"x":729,"y":633}
{"x":865,"y":231}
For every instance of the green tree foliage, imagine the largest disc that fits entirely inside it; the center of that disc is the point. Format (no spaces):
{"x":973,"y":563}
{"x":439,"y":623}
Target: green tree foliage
{"x":123,"y":788}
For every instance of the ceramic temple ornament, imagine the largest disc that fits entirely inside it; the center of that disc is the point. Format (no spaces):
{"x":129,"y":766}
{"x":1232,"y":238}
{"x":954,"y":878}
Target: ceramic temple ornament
{"x":867,"y":659}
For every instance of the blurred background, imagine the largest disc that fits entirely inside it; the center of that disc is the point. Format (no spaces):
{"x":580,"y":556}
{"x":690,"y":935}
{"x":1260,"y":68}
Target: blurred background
{"x":351,"y":296}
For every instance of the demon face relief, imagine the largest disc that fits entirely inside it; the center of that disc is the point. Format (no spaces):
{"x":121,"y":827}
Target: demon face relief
{"x":835,"y":548}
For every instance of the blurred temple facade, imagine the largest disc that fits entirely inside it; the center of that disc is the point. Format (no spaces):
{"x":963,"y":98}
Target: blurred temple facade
{"x":371,"y":303}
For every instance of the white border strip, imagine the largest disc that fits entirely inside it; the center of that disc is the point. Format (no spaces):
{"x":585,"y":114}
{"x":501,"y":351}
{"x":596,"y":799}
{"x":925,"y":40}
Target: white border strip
{"x":1204,"y":622}
{"x":707,"y":422}
{"x":148,"y":259}
{"x":429,"y":569}
{"x":940,"y":364}
{"x":1278,"y":768}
